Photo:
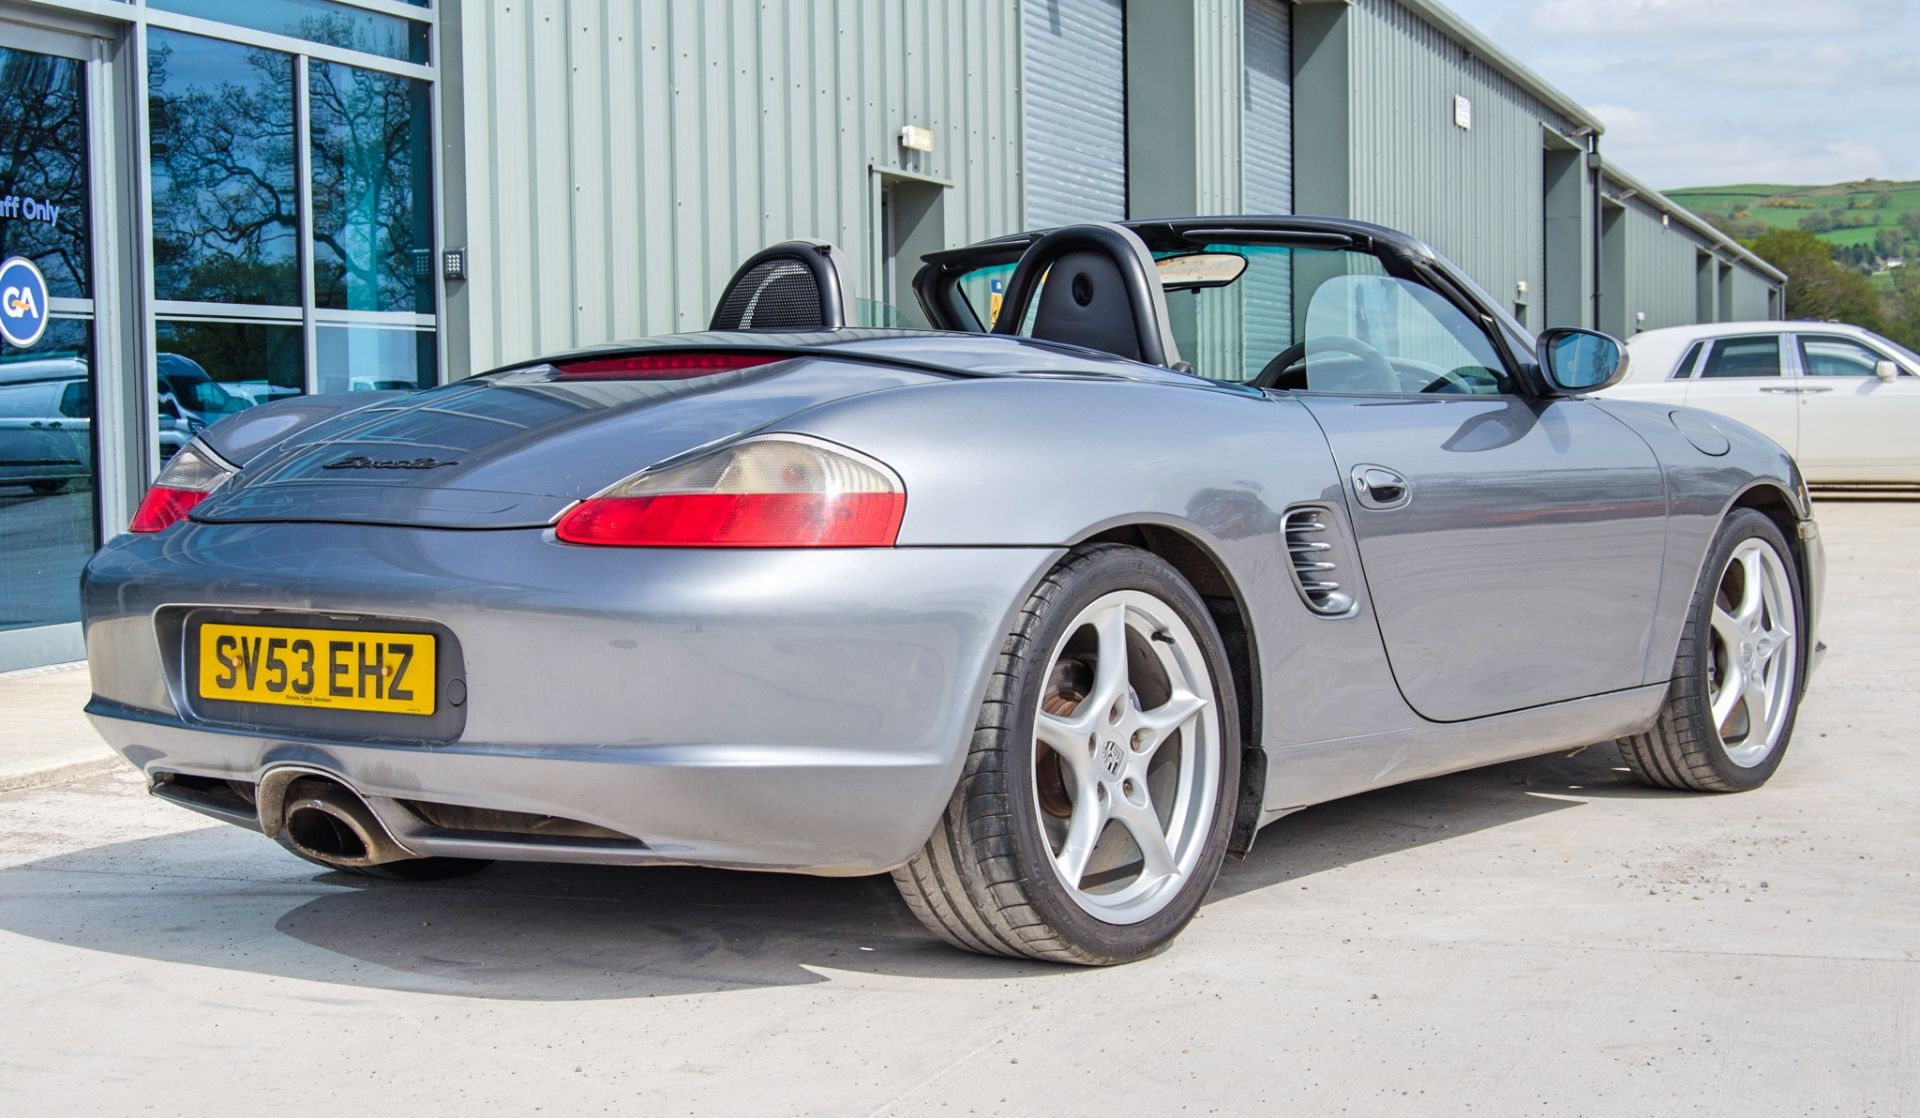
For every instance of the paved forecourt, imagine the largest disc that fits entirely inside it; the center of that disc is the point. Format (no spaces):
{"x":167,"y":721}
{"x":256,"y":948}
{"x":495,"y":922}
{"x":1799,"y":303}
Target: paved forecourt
{"x":1539,"y":938}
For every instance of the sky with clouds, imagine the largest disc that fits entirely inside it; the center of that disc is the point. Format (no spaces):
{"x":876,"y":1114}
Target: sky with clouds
{"x":1712,"y":92}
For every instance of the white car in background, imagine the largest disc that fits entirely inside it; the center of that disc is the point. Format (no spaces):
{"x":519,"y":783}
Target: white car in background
{"x":1845,"y":402}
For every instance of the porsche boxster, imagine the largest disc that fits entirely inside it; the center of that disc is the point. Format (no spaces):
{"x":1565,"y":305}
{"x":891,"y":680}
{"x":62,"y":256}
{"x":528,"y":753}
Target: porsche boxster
{"x":1155,"y":533}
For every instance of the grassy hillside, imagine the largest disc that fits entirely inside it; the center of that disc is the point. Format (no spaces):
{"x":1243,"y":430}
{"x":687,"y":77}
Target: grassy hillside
{"x":1873,"y":218}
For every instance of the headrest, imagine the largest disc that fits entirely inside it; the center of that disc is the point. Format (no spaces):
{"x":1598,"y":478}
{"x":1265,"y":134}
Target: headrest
{"x":794,"y":285}
{"x":1101,"y":290}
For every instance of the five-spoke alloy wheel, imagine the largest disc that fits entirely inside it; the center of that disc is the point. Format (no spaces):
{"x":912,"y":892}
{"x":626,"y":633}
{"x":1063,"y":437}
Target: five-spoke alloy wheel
{"x":1094,"y":810}
{"x":1737,"y":679}
{"x":1126,"y":767}
{"x":1751,"y":656}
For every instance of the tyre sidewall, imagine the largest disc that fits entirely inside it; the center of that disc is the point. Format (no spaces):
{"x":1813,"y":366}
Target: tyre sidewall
{"x":1111,"y":570}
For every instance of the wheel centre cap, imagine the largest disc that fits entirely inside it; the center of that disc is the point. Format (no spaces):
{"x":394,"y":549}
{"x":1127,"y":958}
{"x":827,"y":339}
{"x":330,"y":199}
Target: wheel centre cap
{"x":1113,"y":760}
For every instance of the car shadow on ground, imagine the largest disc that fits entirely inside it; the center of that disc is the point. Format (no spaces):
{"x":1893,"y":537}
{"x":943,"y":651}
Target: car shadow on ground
{"x":223,"y":898}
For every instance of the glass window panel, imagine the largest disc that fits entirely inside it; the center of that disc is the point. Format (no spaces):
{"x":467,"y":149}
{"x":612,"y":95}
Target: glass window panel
{"x":225,"y":204}
{"x":1685,"y":367}
{"x":206,"y":371}
{"x":360,"y":358}
{"x":372,"y":180}
{"x":43,"y":168}
{"x":317,"y":21}
{"x":1744,"y":357}
{"x":1376,"y":333}
{"x":1837,"y":357}
{"x":46,"y":476}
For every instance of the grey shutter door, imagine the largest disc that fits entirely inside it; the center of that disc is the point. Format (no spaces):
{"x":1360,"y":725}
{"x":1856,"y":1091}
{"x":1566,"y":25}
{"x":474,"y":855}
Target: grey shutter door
{"x":1267,"y":167}
{"x":1074,"y":63}
{"x":1268,"y":159}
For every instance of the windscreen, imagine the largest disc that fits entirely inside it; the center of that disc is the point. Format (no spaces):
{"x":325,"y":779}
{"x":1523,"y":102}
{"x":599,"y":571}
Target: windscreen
{"x":1302,"y":318}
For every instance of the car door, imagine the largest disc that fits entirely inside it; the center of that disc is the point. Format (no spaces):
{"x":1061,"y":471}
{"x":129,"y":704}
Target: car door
{"x":1853,"y":425}
{"x":26,"y":443}
{"x":1511,"y":544}
{"x":1749,"y":377}
{"x":71,"y":431}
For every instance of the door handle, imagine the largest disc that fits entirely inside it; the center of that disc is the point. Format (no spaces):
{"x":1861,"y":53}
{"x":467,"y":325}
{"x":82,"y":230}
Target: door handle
{"x":1377,"y":487}
{"x":1777,"y":389}
{"x":1823,"y":388}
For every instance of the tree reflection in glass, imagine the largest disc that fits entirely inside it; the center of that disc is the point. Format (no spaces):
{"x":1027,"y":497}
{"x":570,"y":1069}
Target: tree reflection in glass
{"x":43,"y":157}
{"x":372,"y":226}
{"x":225,"y":202}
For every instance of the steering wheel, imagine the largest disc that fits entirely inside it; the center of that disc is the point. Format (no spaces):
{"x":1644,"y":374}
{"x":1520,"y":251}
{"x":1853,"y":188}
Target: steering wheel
{"x":1451,"y":380}
{"x":1385,"y":380}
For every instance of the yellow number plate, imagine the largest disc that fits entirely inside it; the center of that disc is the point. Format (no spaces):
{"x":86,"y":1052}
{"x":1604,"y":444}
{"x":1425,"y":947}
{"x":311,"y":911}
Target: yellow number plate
{"x":341,"y":669}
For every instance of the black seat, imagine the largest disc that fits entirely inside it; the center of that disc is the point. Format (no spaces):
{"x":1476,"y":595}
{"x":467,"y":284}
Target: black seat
{"x":1101,"y":291}
{"x":794,"y":286}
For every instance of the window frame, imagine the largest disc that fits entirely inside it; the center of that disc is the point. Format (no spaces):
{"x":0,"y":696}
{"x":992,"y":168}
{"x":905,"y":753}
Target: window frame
{"x":1788,"y":357}
{"x":1800,"y":339}
{"x":1690,"y":360}
{"x":1517,"y":383}
{"x":307,"y":314}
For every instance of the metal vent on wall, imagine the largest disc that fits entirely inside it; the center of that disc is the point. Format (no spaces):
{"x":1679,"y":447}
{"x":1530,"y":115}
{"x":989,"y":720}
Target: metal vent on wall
{"x":1314,"y":554}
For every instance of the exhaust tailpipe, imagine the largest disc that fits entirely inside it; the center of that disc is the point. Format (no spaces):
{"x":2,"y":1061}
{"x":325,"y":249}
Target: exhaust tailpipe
{"x":328,"y":823}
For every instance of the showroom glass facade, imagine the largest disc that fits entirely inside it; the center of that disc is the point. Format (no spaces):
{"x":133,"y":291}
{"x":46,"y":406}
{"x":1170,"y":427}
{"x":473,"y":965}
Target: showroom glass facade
{"x":47,"y":461}
{"x":292,"y":209}
{"x":274,"y":229}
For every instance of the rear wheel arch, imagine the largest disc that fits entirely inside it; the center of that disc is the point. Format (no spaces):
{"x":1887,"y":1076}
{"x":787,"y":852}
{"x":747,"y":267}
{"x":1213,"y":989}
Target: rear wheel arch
{"x":1208,"y":575}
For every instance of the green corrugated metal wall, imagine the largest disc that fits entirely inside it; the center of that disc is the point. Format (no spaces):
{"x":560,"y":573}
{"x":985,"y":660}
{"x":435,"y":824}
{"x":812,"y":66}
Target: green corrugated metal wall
{"x":621,"y":158}
{"x":1475,"y":194}
{"x":1660,"y":271}
{"x":608,"y":163}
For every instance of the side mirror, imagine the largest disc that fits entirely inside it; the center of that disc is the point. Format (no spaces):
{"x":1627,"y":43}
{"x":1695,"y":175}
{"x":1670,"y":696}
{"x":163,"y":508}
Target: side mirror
{"x":1885,"y":369}
{"x":1581,"y":360}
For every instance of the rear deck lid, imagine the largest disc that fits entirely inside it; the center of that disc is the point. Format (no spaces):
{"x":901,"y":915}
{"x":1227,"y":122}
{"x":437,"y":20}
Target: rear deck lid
{"x":515,"y":449}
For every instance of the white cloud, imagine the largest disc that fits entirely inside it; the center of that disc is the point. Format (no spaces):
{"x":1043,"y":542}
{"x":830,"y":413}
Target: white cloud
{"x":1672,"y":151}
{"x":1626,"y":18}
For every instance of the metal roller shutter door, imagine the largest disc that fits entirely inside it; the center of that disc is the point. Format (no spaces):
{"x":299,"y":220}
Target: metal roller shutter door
{"x":1267,"y":167}
{"x":1268,"y":160}
{"x":1074,"y":62}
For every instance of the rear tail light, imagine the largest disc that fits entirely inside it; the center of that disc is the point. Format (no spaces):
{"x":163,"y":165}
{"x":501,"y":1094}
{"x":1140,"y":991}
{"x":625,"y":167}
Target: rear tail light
{"x":772,"y":491}
{"x":663,"y":366}
{"x":189,"y":478}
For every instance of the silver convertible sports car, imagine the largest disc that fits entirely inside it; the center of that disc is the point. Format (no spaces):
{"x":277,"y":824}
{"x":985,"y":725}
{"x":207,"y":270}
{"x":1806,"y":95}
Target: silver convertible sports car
{"x":1164,"y":531}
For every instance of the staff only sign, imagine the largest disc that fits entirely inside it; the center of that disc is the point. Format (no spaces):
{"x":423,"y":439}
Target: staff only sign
{"x":23,"y":302}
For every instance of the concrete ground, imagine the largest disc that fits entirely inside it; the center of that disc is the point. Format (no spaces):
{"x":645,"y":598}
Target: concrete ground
{"x":1540,"y":938}
{"x":43,"y":737}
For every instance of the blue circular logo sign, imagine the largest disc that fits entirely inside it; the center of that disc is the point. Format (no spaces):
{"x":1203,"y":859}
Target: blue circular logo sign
{"x":23,"y":302}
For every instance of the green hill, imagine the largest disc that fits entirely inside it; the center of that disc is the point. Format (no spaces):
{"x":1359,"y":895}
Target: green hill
{"x":1864,"y":220}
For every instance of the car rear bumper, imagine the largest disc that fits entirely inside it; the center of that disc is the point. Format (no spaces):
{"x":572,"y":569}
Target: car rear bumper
{"x":772,"y":709}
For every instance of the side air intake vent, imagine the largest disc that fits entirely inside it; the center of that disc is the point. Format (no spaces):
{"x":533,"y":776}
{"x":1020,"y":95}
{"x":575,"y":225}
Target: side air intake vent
{"x":1316,"y":560}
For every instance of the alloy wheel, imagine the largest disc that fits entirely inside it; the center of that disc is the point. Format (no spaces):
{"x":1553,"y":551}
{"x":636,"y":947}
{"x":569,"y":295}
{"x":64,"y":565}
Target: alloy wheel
{"x":1127,"y":756}
{"x":1752,"y":660}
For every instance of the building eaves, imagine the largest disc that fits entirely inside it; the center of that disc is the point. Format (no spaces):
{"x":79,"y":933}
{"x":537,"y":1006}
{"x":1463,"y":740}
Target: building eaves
{"x":1690,"y":219}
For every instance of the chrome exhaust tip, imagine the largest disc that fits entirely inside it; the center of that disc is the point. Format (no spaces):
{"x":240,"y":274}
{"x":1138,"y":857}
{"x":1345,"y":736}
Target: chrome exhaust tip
{"x":327,"y":822}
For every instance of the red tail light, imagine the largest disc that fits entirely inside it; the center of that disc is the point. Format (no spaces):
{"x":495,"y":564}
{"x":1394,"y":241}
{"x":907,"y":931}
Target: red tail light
{"x":189,"y":478}
{"x":162,"y":508}
{"x":663,"y":366}
{"x":775,"y":491}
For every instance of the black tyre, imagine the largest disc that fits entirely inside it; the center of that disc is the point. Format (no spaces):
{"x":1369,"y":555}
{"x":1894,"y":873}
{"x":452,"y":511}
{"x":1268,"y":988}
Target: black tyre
{"x":1094,"y":809}
{"x":408,"y":869}
{"x":1738,"y":676}
{"x":49,"y":488}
